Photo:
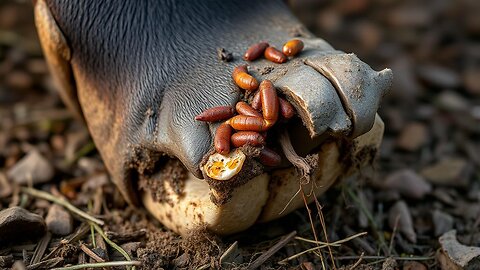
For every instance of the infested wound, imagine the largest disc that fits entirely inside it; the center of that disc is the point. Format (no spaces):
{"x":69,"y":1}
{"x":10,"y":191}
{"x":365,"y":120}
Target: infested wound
{"x":248,"y":124}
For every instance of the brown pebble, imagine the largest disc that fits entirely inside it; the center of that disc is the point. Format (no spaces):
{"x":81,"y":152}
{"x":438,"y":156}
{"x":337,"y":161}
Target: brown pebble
{"x":17,"y":224}
{"x":408,"y":183}
{"x":33,"y":167}
{"x":19,"y":80}
{"x":413,"y":137}
{"x":399,"y":218}
{"x":471,"y":79}
{"x":59,"y":221}
{"x":442,"y":222}
{"x":413,"y":265}
{"x":448,"y":172}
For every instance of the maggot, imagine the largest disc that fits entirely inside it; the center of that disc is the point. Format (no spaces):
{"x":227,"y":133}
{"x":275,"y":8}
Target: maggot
{"x":248,"y":123}
{"x":275,"y":55}
{"x":256,"y":102}
{"x":286,"y":109}
{"x":244,"y":109}
{"x":268,"y":157}
{"x":243,"y":79}
{"x":255,"y":51}
{"x":216,"y":114}
{"x":247,"y":137}
{"x":292,"y":47}
{"x":269,"y":98}
{"x":222,"y":139}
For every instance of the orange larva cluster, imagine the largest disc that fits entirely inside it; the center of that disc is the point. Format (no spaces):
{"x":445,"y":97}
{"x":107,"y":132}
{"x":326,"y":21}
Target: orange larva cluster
{"x":290,"y":49}
{"x":251,"y":121}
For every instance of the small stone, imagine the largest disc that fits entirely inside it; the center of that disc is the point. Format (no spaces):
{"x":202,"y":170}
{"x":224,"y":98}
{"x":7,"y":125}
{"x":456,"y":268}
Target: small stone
{"x":17,"y":224}
{"x":329,"y":20}
{"x":471,"y":79}
{"x":90,"y":165}
{"x":33,"y":167}
{"x":439,"y":76}
{"x":369,"y":35}
{"x":409,"y":16}
{"x":442,"y":222}
{"x":400,"y":217}
{"x":451,"y":101}
{"x":413,"y":136}
{"x":59,"y":221}
{"x":408,"y":183}
{"x":19,"y":265}
{"x":95,"y":181}
{"x":5,"y":186}
{"x":413,"y":265}
{"x":405,"y":84}
{"x":352,"y":7}
{"x":467,"y":210}
{"x":37,"y":66}
{"x":449,"y":171}
{"x":444,"y":196}
{"x":19,"y":80}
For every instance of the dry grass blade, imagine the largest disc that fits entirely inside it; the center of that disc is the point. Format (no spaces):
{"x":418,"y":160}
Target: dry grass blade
{"x":354,"y":266}
{"x":45,"y":264}
{"x":260,"y":260}
{"x":324,"y":227}
{"x":394,"y":233}
{"x":290,"y":201}
{"x":41,"y":248}
{"x":371,"y":220}
{"x":90,"y":253}
{"x":406,"y":258}
{"x":49,"y":197}
{"x":311,"y":222}
{"x":80,"y":233}
{"x":323,"y":245}
{"x":112,"y":244}
{"x":100,"y":265}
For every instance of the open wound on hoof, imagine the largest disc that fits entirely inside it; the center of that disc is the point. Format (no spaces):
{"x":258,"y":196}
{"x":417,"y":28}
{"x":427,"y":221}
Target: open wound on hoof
{"x":249,"y":122}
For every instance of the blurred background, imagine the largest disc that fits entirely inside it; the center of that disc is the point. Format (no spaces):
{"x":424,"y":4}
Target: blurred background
{"x":427,"y":178}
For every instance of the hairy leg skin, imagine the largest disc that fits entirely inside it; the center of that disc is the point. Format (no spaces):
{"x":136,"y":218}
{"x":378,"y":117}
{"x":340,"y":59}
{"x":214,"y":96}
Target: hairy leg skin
{"x":139,"y":72}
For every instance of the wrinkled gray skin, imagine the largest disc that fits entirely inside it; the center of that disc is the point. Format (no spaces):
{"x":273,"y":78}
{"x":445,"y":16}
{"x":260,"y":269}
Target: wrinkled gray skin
{"x":143,"y":69}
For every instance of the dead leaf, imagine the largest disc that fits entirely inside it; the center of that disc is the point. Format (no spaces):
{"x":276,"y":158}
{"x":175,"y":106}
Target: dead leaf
{"x":457,"y":255}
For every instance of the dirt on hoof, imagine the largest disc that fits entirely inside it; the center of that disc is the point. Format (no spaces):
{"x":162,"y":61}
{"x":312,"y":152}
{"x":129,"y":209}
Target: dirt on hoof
{"x":172,"y":172}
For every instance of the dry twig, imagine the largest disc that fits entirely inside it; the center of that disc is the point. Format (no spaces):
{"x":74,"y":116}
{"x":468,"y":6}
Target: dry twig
{"x":49,"y":197}
{"x":100,"y":265}
{"x":260,"y":260}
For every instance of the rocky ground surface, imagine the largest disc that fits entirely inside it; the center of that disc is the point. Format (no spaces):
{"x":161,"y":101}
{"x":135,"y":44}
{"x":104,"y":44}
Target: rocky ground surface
{"x":417,"y":208}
